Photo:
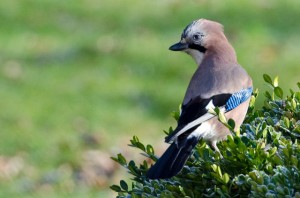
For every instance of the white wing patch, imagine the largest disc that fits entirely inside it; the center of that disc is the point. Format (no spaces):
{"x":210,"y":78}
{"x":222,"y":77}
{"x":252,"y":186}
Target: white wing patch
{"x":202,"y":130}
{"x":198,"y":121}
{"x":210,"y":105}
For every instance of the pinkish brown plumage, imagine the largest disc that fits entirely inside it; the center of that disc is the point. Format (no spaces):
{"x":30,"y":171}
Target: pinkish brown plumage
{"x":219,"y":81}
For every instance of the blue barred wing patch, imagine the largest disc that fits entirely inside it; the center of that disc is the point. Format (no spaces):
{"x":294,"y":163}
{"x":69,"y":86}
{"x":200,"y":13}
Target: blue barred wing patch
{"x":237,"y":98}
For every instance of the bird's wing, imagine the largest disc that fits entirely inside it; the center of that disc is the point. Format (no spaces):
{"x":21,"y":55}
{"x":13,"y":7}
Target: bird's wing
{"x":196,"y":111}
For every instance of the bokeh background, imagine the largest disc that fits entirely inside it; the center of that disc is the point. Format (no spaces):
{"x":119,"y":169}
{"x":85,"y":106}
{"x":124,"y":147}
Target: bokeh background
{"x":79,"y":78}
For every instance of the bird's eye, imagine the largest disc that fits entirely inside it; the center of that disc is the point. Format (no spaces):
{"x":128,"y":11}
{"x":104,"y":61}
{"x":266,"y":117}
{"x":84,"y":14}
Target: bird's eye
{"x":196,"y":37}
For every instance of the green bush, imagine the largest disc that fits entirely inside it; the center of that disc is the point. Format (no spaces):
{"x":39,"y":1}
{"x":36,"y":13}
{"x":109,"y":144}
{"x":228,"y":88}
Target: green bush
{"x":262,"y":160}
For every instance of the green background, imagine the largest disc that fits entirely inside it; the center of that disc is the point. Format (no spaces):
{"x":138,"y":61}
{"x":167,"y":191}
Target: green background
{"x":79,"y":78}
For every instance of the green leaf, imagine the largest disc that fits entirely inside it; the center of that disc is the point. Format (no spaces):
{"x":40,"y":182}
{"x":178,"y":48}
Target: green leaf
{"x":132,"y":168}
{"x":135,"y":138}
{"x":265,"y":131}
{"x":131,"y":163}
{"x":116,"y":188}
{"x":294,"y":103}
{"x":231,"y":123}
{"x":140,"y":146}
{"x":298,"y":84}
{"x":294,"y":160}
{"x":273,"y":151}
{"x":182,"y":190}
{"x":278,"y":92}
{"x":147,"y":189}
{"x":175,"y":115}
{"x":226,"y":178}
{"x":252,"y":101}
{"x":275,"y":81}
{"x":286,"y":122}
{"x":241,"y":179}
{"x":268,"y":79}
{"x":270,"y":121}
{"x":217,"y":110}
{"x":268,"y":95}
{"x":124,"y":185}
{"x":150,"y":149}
{"x":120,"y":159}
{"x":214,"y":167}
{"x":219,"y":171}
{"x":115,"y":159}
{"x":222,"y":117}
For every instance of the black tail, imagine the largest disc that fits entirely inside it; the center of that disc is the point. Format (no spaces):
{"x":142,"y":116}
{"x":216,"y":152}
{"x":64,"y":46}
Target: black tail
{"x":173,"y":160}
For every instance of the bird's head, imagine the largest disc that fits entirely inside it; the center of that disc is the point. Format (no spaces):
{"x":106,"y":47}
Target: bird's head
{"x":198,"y":37}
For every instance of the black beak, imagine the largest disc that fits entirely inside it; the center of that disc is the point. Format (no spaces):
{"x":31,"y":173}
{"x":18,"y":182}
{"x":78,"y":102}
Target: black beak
{"x":178,"y":46}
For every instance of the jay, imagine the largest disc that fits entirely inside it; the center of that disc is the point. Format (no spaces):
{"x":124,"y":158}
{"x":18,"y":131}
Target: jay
{"x":219,"y":81}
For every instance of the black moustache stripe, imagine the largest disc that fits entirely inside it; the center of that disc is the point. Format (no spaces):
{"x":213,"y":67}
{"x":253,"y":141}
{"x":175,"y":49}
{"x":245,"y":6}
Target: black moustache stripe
{"x":198,"y":47}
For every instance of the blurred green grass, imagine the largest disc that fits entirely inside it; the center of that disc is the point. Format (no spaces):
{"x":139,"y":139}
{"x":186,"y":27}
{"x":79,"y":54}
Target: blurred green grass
{"x":102,"y":68}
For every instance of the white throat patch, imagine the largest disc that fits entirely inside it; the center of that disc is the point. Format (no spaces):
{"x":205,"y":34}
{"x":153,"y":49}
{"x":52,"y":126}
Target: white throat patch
{"x":196,"y":55}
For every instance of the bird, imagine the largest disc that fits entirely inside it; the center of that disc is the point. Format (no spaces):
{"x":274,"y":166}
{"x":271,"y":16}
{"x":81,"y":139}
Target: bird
{"x":218,"y":82}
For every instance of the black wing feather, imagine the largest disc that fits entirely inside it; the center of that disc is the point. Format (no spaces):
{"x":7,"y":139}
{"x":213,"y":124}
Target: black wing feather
{"x":196,"y":108}
{"x":174,"y":158}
